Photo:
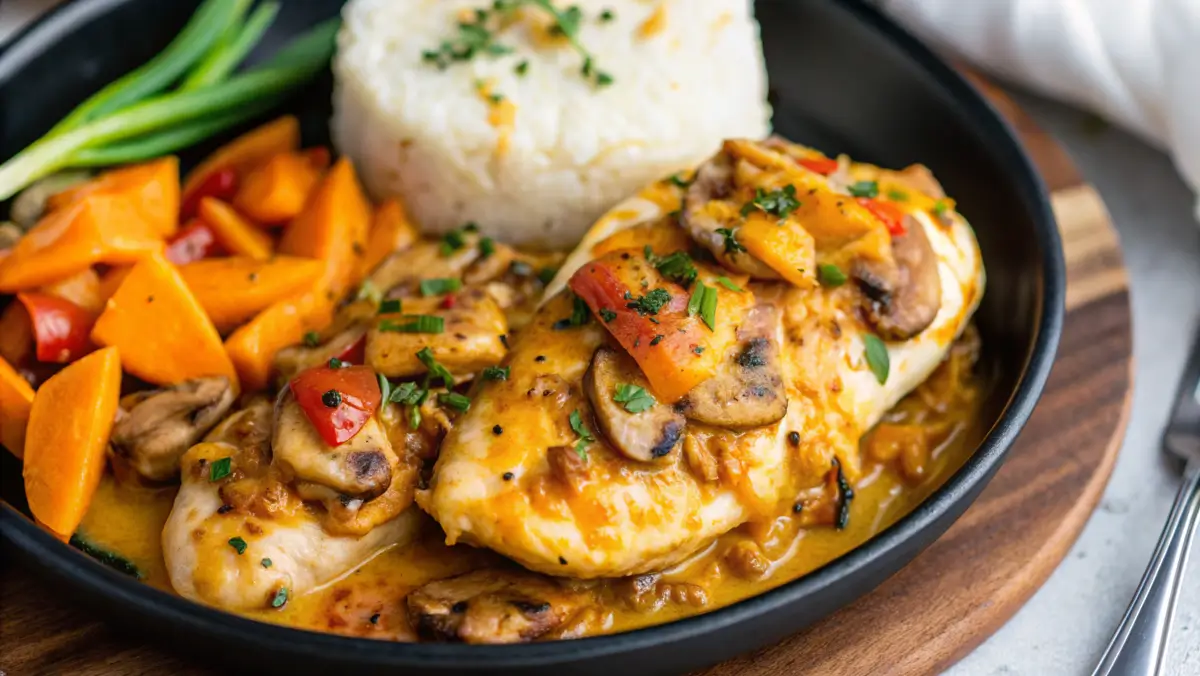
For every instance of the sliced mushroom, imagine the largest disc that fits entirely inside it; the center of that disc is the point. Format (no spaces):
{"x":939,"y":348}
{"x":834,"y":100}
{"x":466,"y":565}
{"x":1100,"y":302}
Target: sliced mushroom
{"x":361,"y":468}
{"x":159,"y":426}
{"x":715,"y":181}
{"x":30,"y":204}
{"x":747,"y":389}
{"x":917,"y":295}
{"x":646,"y":435}
{"x":491,"y":606}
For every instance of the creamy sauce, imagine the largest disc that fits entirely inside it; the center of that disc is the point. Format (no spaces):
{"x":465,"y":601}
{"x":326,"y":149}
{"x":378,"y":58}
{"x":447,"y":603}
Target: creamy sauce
{"x":128,"y":520}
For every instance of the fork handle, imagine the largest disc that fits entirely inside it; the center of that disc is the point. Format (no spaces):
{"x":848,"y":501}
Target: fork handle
{"x":1139,"y":644}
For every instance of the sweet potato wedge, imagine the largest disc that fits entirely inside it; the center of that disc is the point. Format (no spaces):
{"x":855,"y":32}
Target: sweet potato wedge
{"x":252,"y":347}
{"x":163,"y":333}
{"x":152,"y":188}
{"x":248,"y":150}
{"x":276,"y":191}
{"x":333,"y":228}
{"x":236,"y":234}
{"x":391,"y":231}
{"x":232,"y":290}
{"x":69,"y":424}
{"x":16,"y":397}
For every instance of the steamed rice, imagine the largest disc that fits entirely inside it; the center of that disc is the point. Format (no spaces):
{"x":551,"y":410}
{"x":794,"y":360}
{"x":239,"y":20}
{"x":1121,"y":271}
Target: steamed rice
{"x":536,"y":158}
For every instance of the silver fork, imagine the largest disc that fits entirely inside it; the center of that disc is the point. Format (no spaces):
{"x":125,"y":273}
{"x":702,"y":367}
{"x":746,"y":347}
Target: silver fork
{"x":1140,"y":642}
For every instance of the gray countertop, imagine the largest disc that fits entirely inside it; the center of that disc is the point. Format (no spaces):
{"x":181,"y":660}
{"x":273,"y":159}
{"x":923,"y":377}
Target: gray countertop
{"x":1065,"y":626}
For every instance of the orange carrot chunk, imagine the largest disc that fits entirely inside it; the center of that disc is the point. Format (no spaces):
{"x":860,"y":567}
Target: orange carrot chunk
{"x":69,"y":424}
{"x":152,"y":188}
{"x":333,"y":227}
{"x":276,"y":191}
{"x":16,"y":396}
{"x":164,"y":335}
{"x":391,"y":231}
{"x":247,"y":151}
{"x":234,"y":233}
{"x":252,"y":347}
{"x":232,"y":290}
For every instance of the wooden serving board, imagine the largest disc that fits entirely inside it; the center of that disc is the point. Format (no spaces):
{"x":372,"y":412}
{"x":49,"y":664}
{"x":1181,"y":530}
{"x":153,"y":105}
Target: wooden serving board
{"x":935,"y":611}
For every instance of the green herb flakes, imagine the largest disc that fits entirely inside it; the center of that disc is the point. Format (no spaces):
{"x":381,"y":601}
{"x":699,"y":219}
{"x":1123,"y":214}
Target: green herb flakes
{"x":650,"y":303}
{"x":778,"y":203}
{"x":864,"y":189}
{"x":607,"y":15}
{"x":219,"y":469}
{"x":830,"y":275}
{"x":546,"y":275}
{"x":238,"y":544}
{"x":390,"y":306}
{"x":439,"y":286}
{"x":897,"y":195}
{"x":877,"y":357}
{"x":385,"y":388}
{"x":312,"y":339}
{"x":414,"y":324}
{"x":636,"y":399}
{"x":454,"y":400}
{"x":704,"y":303}
{"x":728,"y":284}
{"x":677,"y":267}
{"x":521,"y":68}
{"x":266,"y":563}
{"x":487,"y":247}
{"x":607,"y":315}
{"x":280,"y":599}
{"x":732,"y":246}
{"x":436,"y":370}
{"x":496,"y":373}
{"x":369,"y":292}
{"x":585,"y":434}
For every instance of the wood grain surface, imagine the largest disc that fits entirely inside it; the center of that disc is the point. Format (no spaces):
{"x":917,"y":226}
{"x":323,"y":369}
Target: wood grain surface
{"x":936,"y":610}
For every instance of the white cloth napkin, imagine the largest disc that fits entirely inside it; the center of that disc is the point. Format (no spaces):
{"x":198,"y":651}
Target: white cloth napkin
{"x":1133,"y":62}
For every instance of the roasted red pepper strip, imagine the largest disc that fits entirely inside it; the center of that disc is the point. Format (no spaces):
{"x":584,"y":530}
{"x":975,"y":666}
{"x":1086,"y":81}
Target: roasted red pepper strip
{"x":60,"y":327}
{"x":337,"y":401}
{"x":221,"y":184}
{"x":192,"y":243}
{"x":891,"y":215}
{"x":821,"y":165}
{"x":356,"y":353}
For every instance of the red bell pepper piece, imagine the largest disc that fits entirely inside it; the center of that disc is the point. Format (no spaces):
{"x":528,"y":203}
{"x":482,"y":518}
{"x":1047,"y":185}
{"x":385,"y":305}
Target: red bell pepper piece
{"x":60,"y":327}
{"x":318,"y":157}
{"x":337,"y":401}
{"x":221,"y":184}
{"x":821,"y":165}
{"x":356,"y":353}
{"x":194,"y":242}
{"x":891,"y":215}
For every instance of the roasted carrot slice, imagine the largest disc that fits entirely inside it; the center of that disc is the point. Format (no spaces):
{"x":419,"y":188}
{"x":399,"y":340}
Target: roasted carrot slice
{"x":391,"y":231}
{"x":248,"y":150}
{"x":333,"y":227}
{"x":649,"y":316}
{"x":16,"y":396}
{"x":236,"y":234}
{"x":69,"y":424}
{"x":252,"y":347}
{"x":232,"y":290}
{"x":152,"y":188}
{"x":99,"y":229}
{"x":162,"y":331}
{"x":276,"y":191}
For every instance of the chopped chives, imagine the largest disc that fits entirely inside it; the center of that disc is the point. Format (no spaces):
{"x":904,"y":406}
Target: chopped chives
{"x":438,"y":286}
{"x":390,"y":306}
{"x":417,"y":324}
{"x":455,"y":401}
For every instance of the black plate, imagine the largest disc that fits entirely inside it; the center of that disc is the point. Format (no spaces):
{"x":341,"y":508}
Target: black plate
{"x":843,"y":78}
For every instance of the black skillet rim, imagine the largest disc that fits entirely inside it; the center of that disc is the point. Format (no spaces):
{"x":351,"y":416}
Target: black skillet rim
{"x":60,"y":561}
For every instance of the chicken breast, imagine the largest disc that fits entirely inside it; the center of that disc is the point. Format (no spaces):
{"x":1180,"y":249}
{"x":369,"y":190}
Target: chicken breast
{"x":526,"y":473}
{"x":246,"y":540}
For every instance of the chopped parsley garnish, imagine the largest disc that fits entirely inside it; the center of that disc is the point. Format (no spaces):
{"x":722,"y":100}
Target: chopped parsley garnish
{"x":635,"y":398}
{"x":897,"y":195}
{"x":607,"y":315}
{"x":677,"y":267}
{"x":699,"y":349}
{"x":521,"y":68}
{"x":454,"y":400}
{"x":385,"y":388}
{"x":704,"y":303}
{"x":219,"y":469}
{"x":657,"y":339}
{"x":728,"y":284}
{"x":415,"y":324}
{"x":830,"y":275}
{"x":474,"y":37}
{"x":266,"y":563}
{"x":877,"y":357}
{"x":312,"y":339}
{"x":677,"y":181}
{"x":238,"y":544}
{"x":495,"y":98}
{"x":940,"y":207}
{"x":546,"y":275}
{"x":456,"y":239}
{"x":732,"y":246}
{"x":390,"y":306}
{"x":496,"y":373}
{"x":607,"y":15}
{"x":777,"y":203}
{"x":436,"y":370}
{"x":335,"y":363}
{"x":566,"y":24}
{"x":580,"y":315}
{"x":487,"y":247}
{"x":585,"y":434}
{"x":280,"y":598}
{"x":368,"y":291}
{"x":439,"y":286}
{"x":864,"y":189}
{"x":650,"y":303}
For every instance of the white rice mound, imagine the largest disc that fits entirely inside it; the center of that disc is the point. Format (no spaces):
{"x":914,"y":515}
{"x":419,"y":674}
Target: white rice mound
{"x":686,"y":75}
